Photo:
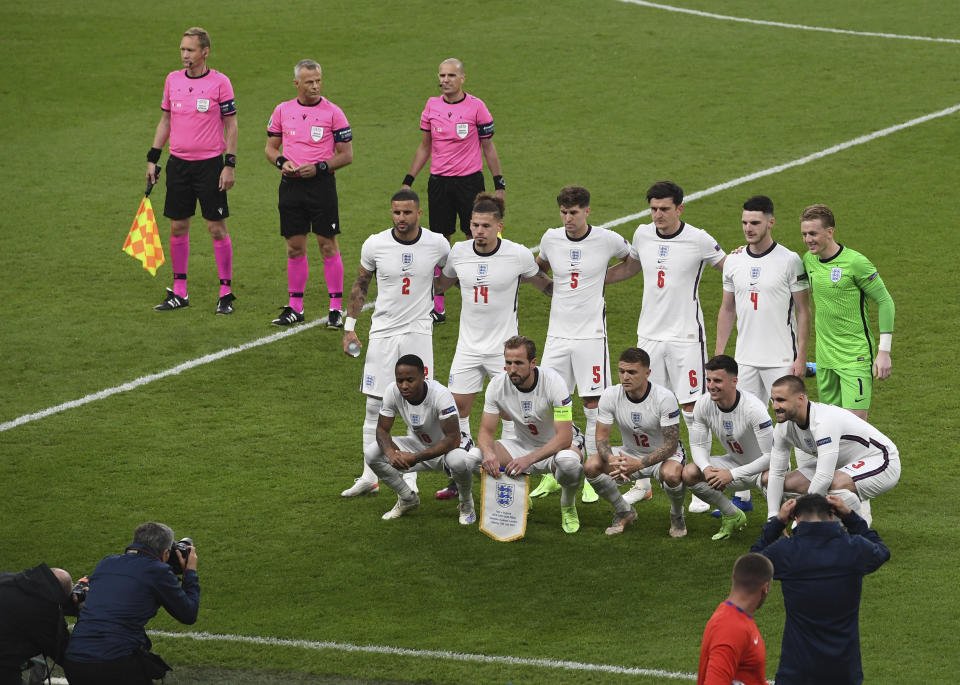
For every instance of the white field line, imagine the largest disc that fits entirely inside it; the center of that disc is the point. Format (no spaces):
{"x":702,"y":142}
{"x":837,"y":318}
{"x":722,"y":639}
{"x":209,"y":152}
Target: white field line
{"x":429,"y":654}
{"x":143,"y":380}
{"x":780,"y":24}
{"x":860,"y":140}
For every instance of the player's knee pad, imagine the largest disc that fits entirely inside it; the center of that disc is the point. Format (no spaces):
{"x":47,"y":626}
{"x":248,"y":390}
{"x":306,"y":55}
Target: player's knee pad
{"x":458,"y":461}
{"x":569,"y":468}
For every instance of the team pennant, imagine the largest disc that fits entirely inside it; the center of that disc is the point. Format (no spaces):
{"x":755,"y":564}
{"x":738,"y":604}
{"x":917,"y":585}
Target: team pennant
{"x":143,"y":241}
{"x":503,"y":507}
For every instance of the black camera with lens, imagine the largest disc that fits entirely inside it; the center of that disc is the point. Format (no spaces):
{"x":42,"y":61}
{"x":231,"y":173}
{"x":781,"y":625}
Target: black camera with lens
{"x":183,"y":546}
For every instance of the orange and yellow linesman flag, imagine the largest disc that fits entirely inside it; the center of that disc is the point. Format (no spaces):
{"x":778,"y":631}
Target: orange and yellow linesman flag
{"x":143,"y":241}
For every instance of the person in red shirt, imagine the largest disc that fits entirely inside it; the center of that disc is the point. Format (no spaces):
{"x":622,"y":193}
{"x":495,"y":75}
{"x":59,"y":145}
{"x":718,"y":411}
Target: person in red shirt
{"x":732,"y":649}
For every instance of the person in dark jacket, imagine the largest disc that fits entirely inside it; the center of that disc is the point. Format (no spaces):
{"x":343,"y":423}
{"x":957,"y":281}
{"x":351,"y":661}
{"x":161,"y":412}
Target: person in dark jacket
{"x":109,"y":643}
{"x":821,"y":568}
{"x":32,"y":605}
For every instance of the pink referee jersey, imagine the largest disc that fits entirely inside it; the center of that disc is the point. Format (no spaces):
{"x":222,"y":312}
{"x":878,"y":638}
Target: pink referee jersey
{"x":310,"y":132}
{"x":197,"y":106}
{"x":456,"y":130}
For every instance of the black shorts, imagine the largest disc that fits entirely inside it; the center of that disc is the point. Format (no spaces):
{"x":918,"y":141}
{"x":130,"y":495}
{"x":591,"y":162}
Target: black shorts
{"x":309,"y":204}
{"x":449,"y":197}
{"x":188,"y":182}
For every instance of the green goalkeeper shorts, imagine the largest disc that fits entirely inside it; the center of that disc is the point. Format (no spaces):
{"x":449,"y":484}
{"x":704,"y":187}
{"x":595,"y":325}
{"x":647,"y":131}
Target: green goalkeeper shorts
{"x":850,"y":388}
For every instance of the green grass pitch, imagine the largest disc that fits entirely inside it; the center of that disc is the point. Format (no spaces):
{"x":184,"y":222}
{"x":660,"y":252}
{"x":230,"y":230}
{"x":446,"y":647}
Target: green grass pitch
{"x":248,"y":454}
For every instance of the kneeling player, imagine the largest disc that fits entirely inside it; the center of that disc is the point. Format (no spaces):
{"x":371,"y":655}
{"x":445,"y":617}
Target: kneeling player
{"x":432,"y":442}
{"x":742,"y":425}
{"x":537,"y":401}
{"x":851,"y":458}
{"x":648,"y":417}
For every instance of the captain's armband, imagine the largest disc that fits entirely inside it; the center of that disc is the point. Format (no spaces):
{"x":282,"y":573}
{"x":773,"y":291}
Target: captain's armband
{"x":563,"y":413}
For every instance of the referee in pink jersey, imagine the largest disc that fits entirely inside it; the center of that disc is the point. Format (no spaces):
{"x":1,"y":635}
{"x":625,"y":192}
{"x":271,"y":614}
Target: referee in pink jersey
{"x":308,"y":138}
{"x":200,"y":120}
{"x":457,"y":129}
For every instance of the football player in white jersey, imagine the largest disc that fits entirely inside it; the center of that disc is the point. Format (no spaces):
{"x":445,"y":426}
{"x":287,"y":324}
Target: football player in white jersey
{"x":742,"y":425}
{"x":672,"y":254}
{"x":851,"y":458}
{"x":765,"y":290}
{"x":433,"y":440}
{"x":648,"y":417}
{"x":403,"y":258}
{"x":578,"y":255}
{"x":490,"y":270}
{"x":536,"y":399}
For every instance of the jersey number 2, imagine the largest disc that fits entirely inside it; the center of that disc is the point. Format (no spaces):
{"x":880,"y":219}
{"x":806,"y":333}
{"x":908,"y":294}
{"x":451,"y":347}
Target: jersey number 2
{"x":405,"y":287}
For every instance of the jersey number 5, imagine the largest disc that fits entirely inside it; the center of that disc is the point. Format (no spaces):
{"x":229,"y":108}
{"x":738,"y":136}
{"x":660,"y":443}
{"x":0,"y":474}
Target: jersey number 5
{"x":574,"y":282}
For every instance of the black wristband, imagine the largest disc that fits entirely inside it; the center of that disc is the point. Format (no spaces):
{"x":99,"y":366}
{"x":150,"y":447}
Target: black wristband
{"x":230,"y":160}
{"x":153,"y":155}
{"x":499,"y":183}
{"x":408,"y":180}
{"x":322,"y":168}
{"x":280,"y":160}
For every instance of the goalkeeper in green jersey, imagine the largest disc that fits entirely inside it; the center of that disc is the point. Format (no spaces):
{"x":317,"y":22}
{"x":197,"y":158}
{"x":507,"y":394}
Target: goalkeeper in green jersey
{"x":841,"y":280}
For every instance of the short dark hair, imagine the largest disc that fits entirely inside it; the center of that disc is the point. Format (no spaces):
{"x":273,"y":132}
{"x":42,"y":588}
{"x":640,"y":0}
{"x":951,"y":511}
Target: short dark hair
{"x":634,"y":355}
{"x":723,"y":362}
{"x":662,"y":189}
{"x":573,"y":196}
{"x":814,"y":507}
{"x":793,"y":383}
{"x":486,"y":203}
{"x":156,"y":537}
{"x":405,"y":195}
{"x":518,"y":341}
{"x":411,"y":360}
{"x":820,"y":213}
{"x":751,"y":571}
{"x":759,"y":203}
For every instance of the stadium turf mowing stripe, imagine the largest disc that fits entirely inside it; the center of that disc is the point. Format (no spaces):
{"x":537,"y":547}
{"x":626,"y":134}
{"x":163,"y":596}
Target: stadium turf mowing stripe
{"x":784,"y":25}
{"x":429,"y":654}
{"x":206,"y":359}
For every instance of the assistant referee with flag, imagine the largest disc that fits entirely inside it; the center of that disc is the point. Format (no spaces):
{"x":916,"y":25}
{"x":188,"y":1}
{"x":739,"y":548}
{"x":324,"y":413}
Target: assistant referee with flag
{"x":199,"y":119}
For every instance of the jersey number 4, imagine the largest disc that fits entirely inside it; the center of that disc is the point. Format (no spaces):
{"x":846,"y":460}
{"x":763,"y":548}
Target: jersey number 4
{"x":754,"y":296}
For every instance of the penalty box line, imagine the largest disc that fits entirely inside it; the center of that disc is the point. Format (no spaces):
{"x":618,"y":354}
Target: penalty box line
{"x":206,"y":359}
{"x":427,"y":653}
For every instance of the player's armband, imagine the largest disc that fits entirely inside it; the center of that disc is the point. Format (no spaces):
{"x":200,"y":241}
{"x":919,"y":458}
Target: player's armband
{"x":563,"y":413}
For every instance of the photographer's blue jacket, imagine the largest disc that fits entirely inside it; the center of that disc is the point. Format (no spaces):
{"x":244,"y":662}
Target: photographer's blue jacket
{"x":126,"y":591}
{"x":820,"y":568}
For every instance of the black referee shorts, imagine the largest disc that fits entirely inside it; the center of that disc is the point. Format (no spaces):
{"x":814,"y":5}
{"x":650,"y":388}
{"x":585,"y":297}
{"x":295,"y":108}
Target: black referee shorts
{"x":449,"y":197}
{"x":188,"y":182}
{"x":309,"y":204}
